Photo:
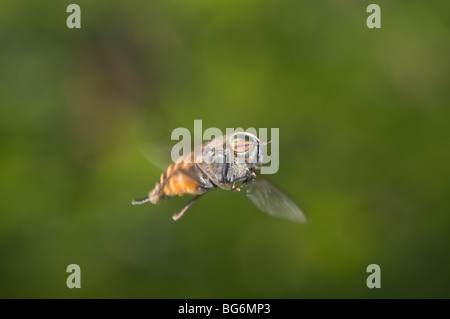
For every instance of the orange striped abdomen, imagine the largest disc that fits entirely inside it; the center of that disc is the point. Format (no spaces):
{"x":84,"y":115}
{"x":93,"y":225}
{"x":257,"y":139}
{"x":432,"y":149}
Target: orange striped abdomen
{"x":178,"y":180}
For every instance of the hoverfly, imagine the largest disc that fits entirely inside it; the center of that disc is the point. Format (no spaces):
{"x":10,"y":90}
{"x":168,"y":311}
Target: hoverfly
{"x":229,"y":162}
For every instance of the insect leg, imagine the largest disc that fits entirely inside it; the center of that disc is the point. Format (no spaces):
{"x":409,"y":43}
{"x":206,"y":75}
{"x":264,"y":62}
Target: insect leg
{"x":250,"y":176}
{"x":140,"y":201}
{"x":177,"y":216}
{"x":230,"y":169}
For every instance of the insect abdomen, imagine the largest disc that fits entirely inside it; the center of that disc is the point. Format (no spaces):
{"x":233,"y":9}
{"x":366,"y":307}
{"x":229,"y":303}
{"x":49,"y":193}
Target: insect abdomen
{"x":179,"y":179}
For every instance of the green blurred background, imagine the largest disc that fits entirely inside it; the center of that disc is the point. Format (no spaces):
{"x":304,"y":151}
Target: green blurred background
{"x":364,"y":147}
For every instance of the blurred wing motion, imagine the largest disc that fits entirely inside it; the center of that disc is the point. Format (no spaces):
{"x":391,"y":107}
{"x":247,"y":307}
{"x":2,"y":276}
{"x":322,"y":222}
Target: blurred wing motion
{"x":272,"y":201}
{"x":156,"y":155}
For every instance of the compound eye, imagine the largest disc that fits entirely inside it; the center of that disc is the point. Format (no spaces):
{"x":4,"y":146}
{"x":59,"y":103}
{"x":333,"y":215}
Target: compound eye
{"x":240,"y":143}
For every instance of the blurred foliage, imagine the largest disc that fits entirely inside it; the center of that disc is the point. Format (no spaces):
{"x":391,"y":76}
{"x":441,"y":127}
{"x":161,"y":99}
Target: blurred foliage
{"x":364,"y":147}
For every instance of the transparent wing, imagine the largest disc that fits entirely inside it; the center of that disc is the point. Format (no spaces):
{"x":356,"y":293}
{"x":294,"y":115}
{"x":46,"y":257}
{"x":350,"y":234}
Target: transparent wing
{"x":272,"y":201}
{"x":156,"y":155}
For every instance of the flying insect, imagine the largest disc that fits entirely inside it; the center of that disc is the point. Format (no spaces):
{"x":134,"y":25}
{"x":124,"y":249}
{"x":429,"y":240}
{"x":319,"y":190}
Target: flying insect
{"x":229,"y":162}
